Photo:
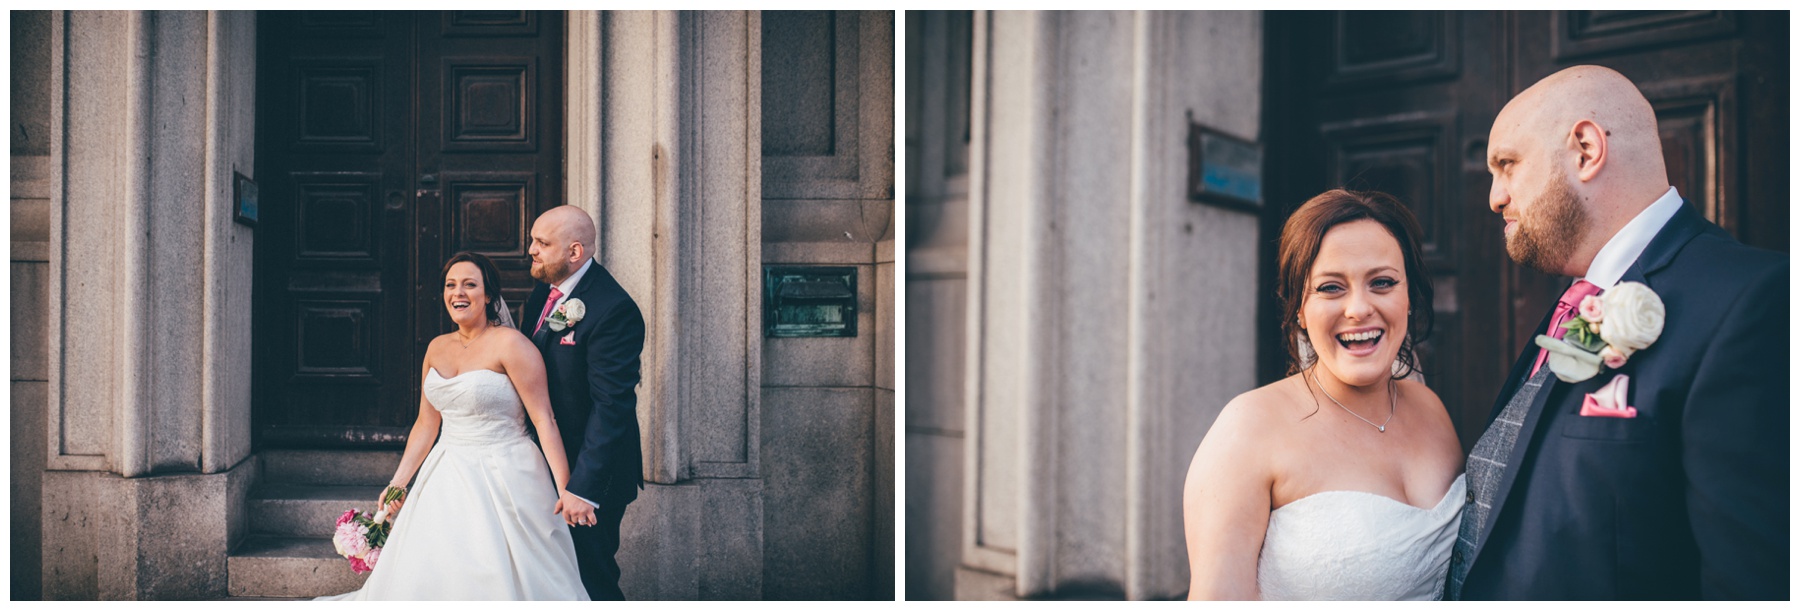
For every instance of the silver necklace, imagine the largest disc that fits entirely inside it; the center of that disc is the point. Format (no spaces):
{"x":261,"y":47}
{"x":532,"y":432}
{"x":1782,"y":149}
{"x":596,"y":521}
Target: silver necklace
{"x":1379,"y":428}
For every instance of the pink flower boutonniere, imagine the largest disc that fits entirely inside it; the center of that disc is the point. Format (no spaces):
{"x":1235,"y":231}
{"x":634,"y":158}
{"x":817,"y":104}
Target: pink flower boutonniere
{"x":566,"y":315}
{"x":1610,"y":328}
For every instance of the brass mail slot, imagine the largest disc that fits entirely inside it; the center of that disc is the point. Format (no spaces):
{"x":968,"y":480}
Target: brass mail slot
{"x":809,"y":302}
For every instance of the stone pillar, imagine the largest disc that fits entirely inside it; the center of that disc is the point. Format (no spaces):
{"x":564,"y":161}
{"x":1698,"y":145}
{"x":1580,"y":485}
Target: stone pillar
{"x":937,"y":234}
{"x":1109,"y":317}
{"x":30,"y":269}
{"x":149,"y":295}
{"x":676,"y":201}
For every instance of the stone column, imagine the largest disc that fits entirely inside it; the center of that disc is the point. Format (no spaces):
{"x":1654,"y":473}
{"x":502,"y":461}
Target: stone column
{"x":149,"y":293}
{"x":937,"y":212}
{"x":1109,"y":317}
{"x":676,"y":201}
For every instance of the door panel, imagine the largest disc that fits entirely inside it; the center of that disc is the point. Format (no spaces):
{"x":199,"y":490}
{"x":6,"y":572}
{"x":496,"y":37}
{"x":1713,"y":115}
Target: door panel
{"x":366,"y":119}
{"x":1402,"y":102}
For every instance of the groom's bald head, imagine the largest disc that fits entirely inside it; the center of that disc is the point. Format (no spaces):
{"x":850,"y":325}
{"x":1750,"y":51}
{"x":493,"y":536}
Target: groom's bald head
{"x":561,"y":240}
{"x":1574,"y":157}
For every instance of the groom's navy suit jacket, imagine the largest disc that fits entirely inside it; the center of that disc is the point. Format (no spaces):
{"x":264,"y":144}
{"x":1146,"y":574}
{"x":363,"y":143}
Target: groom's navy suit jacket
{"x":1689,"y":499}
{"x":593,"y":386}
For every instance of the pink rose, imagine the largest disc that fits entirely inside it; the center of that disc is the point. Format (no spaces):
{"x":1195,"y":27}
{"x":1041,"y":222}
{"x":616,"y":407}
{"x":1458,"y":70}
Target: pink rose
{"x":1590,"y":309}
{"x":357,"y":564}
{"x":370,"y":558}
{"x":349,"y":514}
{"x":1612,"y":357}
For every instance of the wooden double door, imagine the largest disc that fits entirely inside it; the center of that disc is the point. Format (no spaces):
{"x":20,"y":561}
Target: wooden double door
{"x":1402,"y":102}
{"x":387,"y":141}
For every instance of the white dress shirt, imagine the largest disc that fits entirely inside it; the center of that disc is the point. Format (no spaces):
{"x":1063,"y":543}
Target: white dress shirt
{"x":568,"y":284}
{"x":565,"y":287}
{"x":1625,"y":246}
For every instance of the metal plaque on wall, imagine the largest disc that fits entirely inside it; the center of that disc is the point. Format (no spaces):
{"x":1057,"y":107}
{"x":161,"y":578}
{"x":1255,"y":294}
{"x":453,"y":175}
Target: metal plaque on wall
{"x":805,"y":301}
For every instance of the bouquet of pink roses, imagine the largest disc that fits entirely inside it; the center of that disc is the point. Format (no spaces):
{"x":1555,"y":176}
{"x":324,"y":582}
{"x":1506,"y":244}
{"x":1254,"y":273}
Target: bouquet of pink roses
{"x":360,"y":535}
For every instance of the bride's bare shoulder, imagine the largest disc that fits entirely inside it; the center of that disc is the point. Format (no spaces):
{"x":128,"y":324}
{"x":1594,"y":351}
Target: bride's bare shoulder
{"x":1267,"y":407}
{"x":1250,"y":421}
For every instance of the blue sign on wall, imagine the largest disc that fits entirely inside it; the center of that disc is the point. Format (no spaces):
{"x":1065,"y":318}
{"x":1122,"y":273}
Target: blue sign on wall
{"x":1223,"y":170}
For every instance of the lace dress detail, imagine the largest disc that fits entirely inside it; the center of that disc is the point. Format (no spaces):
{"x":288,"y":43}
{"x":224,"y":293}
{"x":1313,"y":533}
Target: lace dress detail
{"x":1345,"y":545}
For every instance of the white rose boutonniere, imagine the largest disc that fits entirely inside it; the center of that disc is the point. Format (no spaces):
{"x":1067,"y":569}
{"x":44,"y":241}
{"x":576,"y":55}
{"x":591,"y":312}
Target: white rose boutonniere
{"x":1609,"y":329}
{"x":566,"y":315}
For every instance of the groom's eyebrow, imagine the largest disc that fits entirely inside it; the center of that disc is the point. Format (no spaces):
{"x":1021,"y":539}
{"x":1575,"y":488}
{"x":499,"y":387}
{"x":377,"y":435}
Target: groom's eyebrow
{"x":1498,"y":154}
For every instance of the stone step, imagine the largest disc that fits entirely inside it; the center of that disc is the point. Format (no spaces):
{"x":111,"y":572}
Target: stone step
{"x":332,"y":467}
{"x":305,"y":510}
{"x":289,"y":567}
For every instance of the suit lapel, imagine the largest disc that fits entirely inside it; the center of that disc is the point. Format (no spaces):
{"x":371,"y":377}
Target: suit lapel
{"x":587,"y":281}
{"x":1681,"y":228}
{"x":1520,"y":370}
{"x":534,"y":305}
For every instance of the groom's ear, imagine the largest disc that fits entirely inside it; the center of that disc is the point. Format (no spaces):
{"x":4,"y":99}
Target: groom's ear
{"x":1589,"y":140}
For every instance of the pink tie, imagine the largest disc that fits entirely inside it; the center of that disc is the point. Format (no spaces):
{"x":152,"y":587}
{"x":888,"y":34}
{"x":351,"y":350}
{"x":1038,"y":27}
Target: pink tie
{"x":1565,"y":309}
{"x":548,"y":306}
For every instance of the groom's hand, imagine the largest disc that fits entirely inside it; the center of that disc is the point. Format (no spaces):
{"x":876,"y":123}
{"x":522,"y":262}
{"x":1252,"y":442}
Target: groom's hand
{"x":574,"y":510}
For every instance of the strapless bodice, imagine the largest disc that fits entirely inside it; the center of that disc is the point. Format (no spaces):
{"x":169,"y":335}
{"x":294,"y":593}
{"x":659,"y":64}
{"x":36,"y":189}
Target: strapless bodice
{"x":1346,"y":545}
{"x":479,"y":406}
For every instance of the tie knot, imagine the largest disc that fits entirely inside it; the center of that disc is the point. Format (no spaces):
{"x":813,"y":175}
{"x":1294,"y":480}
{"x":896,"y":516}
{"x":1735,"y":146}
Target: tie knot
{"x":1582,"y":289}
{"x":556,"y":294}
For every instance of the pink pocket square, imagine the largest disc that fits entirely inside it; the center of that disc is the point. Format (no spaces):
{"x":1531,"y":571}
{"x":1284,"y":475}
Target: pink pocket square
{"x":568,"y":340}
{"x":1609,"y":401}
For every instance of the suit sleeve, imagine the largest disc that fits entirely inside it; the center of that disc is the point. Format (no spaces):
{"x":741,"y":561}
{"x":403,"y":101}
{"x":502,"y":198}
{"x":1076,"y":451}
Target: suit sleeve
{"x":613,"y":359}
{"x":1734,"y":433}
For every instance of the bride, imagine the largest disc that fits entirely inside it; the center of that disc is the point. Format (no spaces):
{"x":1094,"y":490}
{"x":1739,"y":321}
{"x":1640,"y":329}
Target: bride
{"x":483,"y":521}
{"x":1342,"y":480}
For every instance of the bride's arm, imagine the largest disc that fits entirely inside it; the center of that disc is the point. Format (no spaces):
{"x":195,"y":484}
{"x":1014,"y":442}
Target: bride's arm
{"x":423,"y":435}
{"x":1225,"y":508}
{"x":526,"y":368}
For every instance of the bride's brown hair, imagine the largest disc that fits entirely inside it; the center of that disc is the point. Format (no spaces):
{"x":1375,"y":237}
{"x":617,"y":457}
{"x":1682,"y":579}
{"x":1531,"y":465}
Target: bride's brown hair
{"x":1301,"y":236}
{"x":490,"y":280}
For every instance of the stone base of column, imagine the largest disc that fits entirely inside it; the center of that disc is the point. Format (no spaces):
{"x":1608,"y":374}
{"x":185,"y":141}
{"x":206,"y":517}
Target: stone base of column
{"x":698,"y":540}
{"x":976,"y":584}
{"x":150,"y":538}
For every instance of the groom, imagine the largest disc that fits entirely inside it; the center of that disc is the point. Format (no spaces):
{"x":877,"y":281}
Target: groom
{"x":590,"y":333}
{"x":1665,"y":474}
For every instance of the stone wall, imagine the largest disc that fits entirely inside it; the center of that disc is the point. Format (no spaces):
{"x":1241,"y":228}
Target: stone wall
{"x":1103,"y":325}
{"x":828,"y":403}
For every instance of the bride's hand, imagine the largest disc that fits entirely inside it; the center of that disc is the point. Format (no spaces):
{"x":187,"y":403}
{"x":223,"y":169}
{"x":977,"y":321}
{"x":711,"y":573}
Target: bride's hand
{"x":574,"y":511}
{"x":392,"y":507}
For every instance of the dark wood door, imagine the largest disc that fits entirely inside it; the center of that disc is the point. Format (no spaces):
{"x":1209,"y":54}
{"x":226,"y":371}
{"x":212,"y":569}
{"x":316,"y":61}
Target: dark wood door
{"x":387,"y":141}
{"x":1402,"y":102}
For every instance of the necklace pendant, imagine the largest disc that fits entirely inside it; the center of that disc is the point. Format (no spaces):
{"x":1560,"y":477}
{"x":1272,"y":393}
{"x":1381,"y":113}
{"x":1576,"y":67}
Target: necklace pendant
{"x":1381,"y":429}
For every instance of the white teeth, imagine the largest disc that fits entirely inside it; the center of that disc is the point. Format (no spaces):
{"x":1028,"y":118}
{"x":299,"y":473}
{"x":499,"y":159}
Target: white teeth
{"x":1357,"y":337}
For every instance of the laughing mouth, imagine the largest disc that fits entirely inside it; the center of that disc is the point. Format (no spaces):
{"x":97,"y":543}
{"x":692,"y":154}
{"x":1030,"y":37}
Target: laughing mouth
{"x":1361,"y":340}
{"x":459,"y":305}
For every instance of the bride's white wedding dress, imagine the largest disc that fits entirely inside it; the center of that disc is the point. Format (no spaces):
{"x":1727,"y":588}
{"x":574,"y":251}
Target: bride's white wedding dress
{"x":1346,"y":545}
{"x":480,"y":522}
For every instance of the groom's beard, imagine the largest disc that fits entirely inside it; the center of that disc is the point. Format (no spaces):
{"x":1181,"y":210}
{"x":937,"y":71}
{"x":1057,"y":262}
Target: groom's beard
{"x":550,"y":272}
{"x":1547,"y":233}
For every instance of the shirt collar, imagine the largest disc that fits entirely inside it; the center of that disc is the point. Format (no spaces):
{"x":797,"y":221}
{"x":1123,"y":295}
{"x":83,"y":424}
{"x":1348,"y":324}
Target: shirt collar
{"x":568,"y":284}
{"x":1626,"y":245}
